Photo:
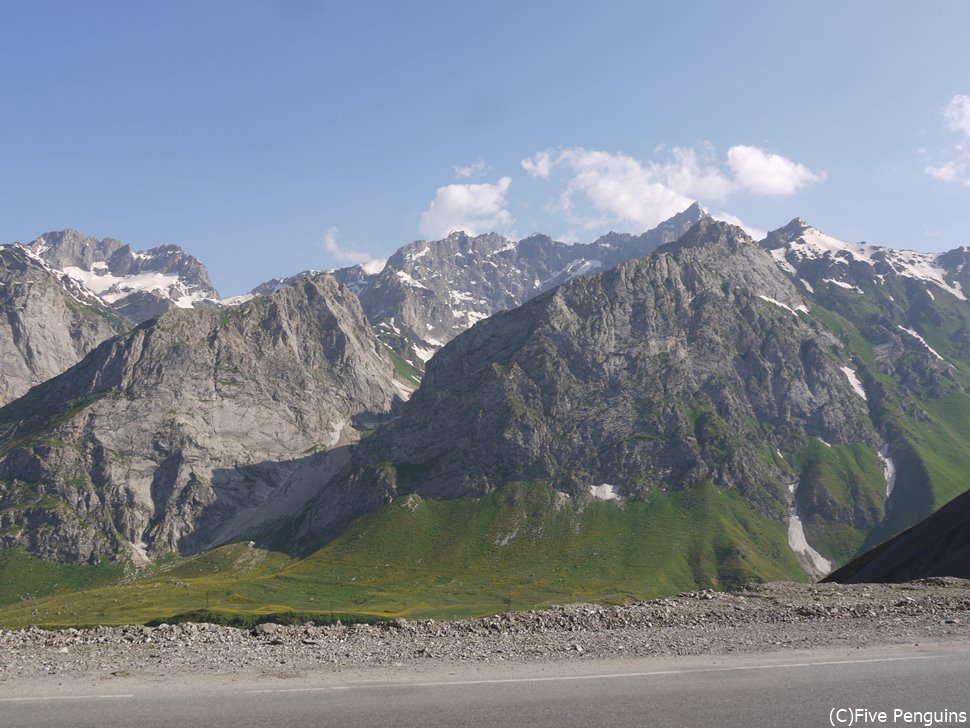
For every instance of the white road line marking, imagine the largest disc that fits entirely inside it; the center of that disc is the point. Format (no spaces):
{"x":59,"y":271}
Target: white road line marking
{"x":605,"y":676}
{"x":65,"y":697}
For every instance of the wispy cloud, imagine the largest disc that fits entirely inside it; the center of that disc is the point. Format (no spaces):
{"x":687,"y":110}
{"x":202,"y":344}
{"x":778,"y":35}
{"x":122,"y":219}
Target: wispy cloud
{"x":471,"y":170}
{"x":473,"y":208}
{"x":956,"y":117}
{"x":957,"y":114}
{"x":339,"y":253}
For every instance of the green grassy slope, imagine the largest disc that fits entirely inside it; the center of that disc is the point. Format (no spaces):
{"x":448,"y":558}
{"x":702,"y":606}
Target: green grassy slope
{"x":523,"y":543}
{"x":842,"y":480}
{"x":23,"y":576}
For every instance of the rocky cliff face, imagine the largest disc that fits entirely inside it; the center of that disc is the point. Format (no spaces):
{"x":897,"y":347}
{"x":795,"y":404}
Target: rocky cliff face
{"x":49,"y":322}
{"x":700,"y":364}
{"x":137,"y":284}
{"x":172,"y":436}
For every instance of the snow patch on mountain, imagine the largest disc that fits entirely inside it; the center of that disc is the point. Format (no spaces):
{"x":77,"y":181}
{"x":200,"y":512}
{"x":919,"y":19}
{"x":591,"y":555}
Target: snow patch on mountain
{"x":920,"y":339}
{"x":794,"y":311}
{"x":139,"y":553}
{"x":403,"y":391}
{"x":853,"y":378}
{"x":73,"y":287}
{"x":236,"y":300}
{"x":604,"y":492}
{"x":888,"y":469}
{"x":425,"y":354}
{"x":373,"y":267}
{"x":578,"y":267}
{"x":113,"y":288}
{"x":811,"y":560}
{"x":407,"y":278}
{"x":779,"y":255}
{"x":843,"y":284}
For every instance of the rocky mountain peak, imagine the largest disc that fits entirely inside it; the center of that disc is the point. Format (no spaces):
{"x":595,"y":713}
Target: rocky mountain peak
{"x":795,"y":229}
{"x":430,"y":291}
{"x":687,"y":217}
{"x":707,"y":232}
{"x":137,"y":284}
{"x":72,"y":248}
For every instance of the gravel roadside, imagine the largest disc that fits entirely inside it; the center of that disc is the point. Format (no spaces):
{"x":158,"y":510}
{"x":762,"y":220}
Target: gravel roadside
{"x":756,"y":618}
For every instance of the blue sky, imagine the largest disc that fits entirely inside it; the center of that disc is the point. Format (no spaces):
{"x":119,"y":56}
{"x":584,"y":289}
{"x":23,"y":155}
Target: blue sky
{"x":270,"y":137}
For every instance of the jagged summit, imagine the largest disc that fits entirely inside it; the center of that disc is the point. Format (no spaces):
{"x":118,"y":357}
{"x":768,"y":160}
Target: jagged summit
{"x":708,"y":231}
{"x":430,"y":291}
{"x":70,"y":247}
{"x":137,"y":284}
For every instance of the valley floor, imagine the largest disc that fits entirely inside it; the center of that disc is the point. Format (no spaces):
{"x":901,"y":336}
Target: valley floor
{"x":756,"y":619}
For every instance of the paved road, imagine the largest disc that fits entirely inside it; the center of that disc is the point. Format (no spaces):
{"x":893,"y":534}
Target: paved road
{"x":784,"y":689}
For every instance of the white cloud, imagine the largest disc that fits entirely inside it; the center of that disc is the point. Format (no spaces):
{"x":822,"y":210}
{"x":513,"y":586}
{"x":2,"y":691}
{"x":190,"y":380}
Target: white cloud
{"x":956,"y":116}
{"x":685,"y":174}
{"x":344,"y":255}
{"x":622,"y":189}
{"x":470,"y":170}
{"x":619,"y":185}
{"x":474,"y":208}
{"x":755,"y":233}
{"x":956,"y":170}
{"x":538,"y":166}
{"x":766,"y":173}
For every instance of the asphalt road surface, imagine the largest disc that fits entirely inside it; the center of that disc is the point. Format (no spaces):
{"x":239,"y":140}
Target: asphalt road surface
{"x":803,"y":688}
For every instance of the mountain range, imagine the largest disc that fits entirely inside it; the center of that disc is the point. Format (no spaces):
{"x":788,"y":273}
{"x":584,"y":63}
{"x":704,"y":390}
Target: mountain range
{"x":686,"y":406}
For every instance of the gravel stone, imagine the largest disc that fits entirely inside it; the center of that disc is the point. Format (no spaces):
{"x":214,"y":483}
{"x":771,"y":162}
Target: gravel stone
{"x":756,"y":618}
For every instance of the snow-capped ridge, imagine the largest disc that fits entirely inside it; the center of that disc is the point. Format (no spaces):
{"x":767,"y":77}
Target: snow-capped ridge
{"x":798,"y":242}
{"x":139,"y":284}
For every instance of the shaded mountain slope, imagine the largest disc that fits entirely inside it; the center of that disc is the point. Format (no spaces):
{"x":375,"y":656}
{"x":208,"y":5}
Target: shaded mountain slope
{"x":191,"y":427}
{"x":938,"y":546}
